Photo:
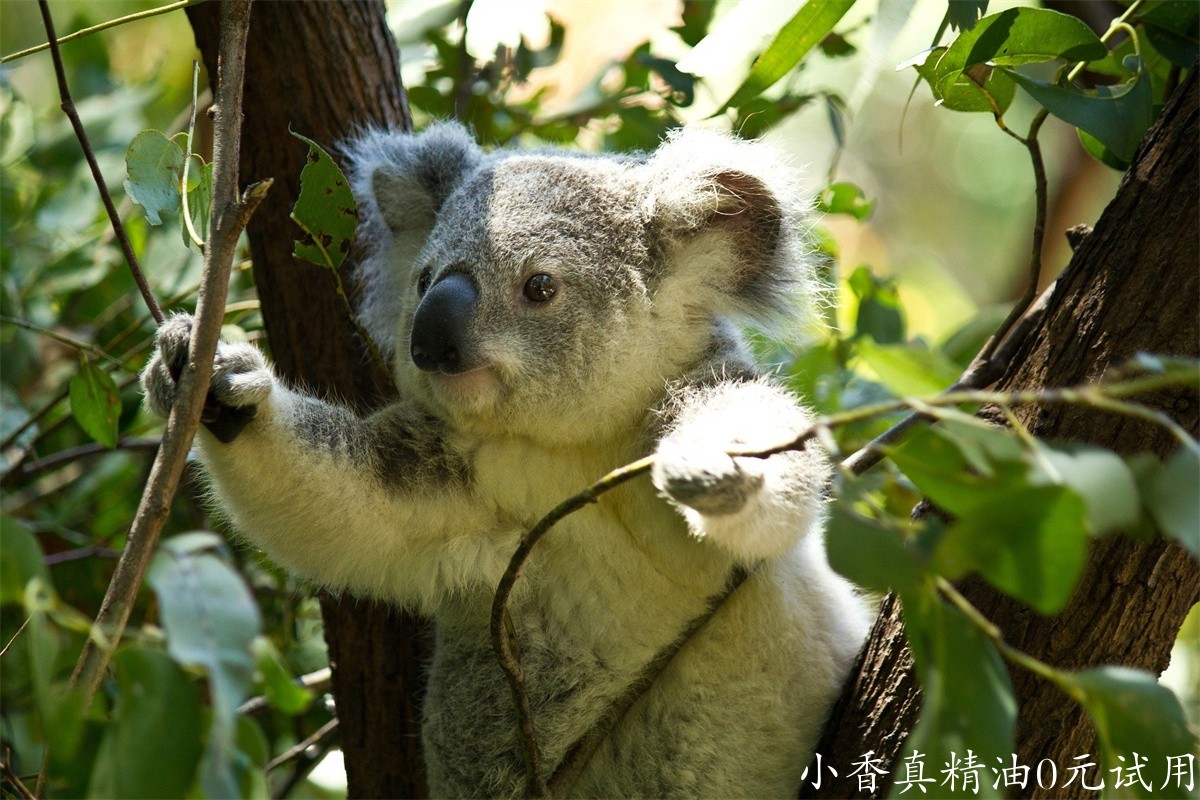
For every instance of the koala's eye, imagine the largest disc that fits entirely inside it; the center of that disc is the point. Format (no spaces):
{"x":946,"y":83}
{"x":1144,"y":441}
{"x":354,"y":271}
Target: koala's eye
{"x":540,"y":288}
{"x":423,"y":281}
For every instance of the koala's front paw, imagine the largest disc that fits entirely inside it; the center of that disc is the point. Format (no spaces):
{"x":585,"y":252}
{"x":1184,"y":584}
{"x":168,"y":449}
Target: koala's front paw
{"x":704,"y":478}
{"x":241,"y":379}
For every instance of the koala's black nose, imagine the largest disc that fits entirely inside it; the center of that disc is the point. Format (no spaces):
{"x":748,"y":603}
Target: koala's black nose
{"x":440,"y":332}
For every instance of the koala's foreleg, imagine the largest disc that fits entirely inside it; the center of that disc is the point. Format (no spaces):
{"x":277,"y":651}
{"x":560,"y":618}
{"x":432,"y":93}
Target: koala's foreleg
{"x":379,"y":505}
{"x":753,"y":508}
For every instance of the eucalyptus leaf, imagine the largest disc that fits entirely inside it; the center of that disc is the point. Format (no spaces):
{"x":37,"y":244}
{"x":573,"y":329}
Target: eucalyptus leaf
{"x":870,"y":555}
{"x":795,"y":39}
{"x":979,"y":89}
{"x":153,"y":745}
{"x":967,"y":708}
{"x":96,"y":403}
{"x":21,"y":560}
{"x":325,"y":210}
{"x":199,"y":203}
{"x":1030,"y":543}
{"x":1099,"y":476}
{"x":211,"y":621}
{"x":1116,"y":116}
{"x":279,"y":687}
{"x":154,"y":166}
{"x":909,"y":370}
{"x":1174,"y":498}
{"x":1138,"y":721}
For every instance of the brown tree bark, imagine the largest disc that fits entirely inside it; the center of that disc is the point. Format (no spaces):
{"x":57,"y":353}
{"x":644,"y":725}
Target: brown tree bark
{"x":1132,"y":286}
{"x":326,"y":70}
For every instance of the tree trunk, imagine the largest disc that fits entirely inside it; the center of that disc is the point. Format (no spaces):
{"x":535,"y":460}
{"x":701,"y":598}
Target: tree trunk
{"x":325,"y":70}
{"x":1131,"y":287}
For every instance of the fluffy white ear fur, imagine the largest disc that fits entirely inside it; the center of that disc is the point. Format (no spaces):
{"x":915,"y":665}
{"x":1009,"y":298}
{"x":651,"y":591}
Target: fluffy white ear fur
{"x":704,"y":182}
{"x":400,"y":181}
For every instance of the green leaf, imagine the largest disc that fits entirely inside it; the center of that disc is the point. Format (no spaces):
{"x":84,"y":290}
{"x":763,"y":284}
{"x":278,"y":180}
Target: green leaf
{"x":21,"y":560}
{"x":870,"y":555}
{"x":325,"y":210}
{"x":909,"y":370}
{"x":978,"y":89}
{"x":153,"y":745}
{"x":1022,"y":36}
{"x":967,"y":702}
{"x":211,"y":620}
{"x":1096,"y":149}
{"x":880,"y":315}
{"x":199,"y":203}
{"x":964,"y":78}
{"x":279,"y":687}
{"x":1116,"y":116}
{"x":154,"y":166}
{"x":1137,"y":720}
{"x":1172,"y":28}
{"x":845,"y":198}
{"x":1174,"y":498}
{"x":96,"y":403}
{"x":1030,"y":543}
{"x":800,"y":34}
{"x":1099,"y":476}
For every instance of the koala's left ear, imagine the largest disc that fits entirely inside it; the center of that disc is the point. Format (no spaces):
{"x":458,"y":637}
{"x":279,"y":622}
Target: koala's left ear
{"x":730,"y":214}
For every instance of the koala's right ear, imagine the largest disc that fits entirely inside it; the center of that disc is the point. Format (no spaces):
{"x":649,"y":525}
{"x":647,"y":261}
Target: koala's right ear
{"x":400,"y":182}
{"x":402,"y":179}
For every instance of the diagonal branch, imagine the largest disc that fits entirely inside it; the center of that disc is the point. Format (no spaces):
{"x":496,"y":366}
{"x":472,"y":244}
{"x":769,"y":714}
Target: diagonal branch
{"x":229,"y":216}
{"x":68,"y":107}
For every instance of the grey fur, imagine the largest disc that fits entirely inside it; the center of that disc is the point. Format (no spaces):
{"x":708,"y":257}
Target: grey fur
{"x":652,"y":258}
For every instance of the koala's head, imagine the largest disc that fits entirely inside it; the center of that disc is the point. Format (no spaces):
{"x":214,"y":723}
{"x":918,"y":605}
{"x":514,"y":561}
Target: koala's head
{"x":553,"y":294}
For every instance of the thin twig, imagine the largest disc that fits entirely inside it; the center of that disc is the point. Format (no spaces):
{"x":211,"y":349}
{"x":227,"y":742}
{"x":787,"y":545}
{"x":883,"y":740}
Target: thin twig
{"x":75,"y":453}
{"x":564,"y":778}
{"x":14,"y":637}
{"x":228,"y":217}
{"x":15,"y":781}
{"x":58,"y":336}
{"x":303,"y":766}
{"x":187,"y":161}
{"x":103,"y":26}
{"x":297,"y":750}
{"x":504,"y":638}
{"x":81,"y":553}
{"x":1041,"y":202}
{"x":68,"y":107}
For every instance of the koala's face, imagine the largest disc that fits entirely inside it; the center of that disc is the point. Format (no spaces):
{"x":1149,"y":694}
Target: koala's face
{"x":528,"y":291}
{"x":554,"y":295}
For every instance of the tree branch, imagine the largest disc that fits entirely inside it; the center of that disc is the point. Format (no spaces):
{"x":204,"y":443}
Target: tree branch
{"x":229,"y":216}
{"x":68,"y":107}
{"x":103,"y":26}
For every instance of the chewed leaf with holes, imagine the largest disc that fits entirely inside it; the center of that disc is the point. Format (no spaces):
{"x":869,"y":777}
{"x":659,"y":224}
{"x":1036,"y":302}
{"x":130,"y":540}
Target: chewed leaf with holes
{"x":325,"y":210}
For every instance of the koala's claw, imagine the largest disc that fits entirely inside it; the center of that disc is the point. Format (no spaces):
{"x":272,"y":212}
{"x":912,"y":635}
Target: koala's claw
{"x":703,"y":478}
{"x":241,"y":379}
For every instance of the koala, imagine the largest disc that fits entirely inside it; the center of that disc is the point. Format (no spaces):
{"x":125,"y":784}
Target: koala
{"x":550,"y":316}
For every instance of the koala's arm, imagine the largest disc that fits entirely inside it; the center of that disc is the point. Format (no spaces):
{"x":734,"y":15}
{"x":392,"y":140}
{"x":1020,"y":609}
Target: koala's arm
{"x":379,"y":505}
{"x":753,"y":508}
